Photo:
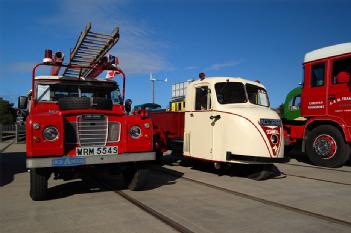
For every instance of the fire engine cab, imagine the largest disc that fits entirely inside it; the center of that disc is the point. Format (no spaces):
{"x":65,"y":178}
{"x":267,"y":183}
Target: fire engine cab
{"x":317,"y":116}
{"x":77,"y":121}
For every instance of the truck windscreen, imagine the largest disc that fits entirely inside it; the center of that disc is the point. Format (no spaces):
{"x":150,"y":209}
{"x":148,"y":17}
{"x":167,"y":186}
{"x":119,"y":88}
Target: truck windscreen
{"x":54,"y":91}
{"x":230,"y":92}
{"x":257,"y":95}
{"x":235,"y":92}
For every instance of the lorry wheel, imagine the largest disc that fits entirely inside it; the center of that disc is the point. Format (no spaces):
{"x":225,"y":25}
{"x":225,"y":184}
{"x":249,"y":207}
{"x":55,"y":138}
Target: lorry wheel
{"x":325,"y":146}
{"x":38,"y":184}
{"x":134,"y":178}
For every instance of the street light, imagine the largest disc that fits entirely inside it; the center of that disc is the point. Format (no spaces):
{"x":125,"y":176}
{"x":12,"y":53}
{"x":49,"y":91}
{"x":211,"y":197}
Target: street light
{"x":153,"y":85}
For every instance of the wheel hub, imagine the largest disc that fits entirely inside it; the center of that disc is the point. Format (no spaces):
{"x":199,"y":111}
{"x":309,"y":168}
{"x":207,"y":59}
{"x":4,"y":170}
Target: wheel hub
{"x":325,"y":146}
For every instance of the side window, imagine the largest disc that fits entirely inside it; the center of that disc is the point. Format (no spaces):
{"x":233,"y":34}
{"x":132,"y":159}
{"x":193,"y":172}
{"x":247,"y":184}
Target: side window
{"x":202,"y":98}
{"x":341,"y":71}
{"x":317,"y":75}
{"x":295,"y":103}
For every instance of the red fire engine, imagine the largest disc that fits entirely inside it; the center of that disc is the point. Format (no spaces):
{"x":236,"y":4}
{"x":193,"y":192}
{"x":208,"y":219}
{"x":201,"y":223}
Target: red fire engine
{"x":319,"y":116}
{"x":78,"y":121}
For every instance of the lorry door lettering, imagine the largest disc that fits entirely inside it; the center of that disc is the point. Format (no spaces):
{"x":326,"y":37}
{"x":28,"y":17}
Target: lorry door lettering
{"x":314,"y":89}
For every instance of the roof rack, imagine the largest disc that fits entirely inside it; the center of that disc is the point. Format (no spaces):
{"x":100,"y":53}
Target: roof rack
{"x":90,"y":49}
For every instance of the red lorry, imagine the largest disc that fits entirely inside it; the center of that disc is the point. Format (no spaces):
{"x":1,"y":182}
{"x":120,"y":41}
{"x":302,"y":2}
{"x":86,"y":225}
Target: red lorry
{"x":77,"y":121}
{"x":317,"y":116}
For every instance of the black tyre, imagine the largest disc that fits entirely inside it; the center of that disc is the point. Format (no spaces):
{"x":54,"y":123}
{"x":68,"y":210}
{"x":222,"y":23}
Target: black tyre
{"x":70,"y":103}
{"x":325,"y":146}
{"x":159,"y":157}
{"x":39,"y":184}
{"x":135,"y":179}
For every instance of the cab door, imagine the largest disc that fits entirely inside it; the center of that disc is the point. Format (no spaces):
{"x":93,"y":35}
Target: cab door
{"x":198,"y":130}
{"x":339,"y":94}
{"x":314,"y":91}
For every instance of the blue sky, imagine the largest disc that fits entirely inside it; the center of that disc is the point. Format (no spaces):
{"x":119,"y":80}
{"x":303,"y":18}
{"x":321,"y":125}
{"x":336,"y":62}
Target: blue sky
{"x":257,"y":40}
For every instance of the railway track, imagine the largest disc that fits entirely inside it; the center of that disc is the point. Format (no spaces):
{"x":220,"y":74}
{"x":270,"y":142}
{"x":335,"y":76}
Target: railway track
{"x":161,"y":217}
{"x":261,"y":200}
{"x":315,"y":167}
{"x":316,"y":179}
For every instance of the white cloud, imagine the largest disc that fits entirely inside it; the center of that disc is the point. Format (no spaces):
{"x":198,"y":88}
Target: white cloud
{"x":220,"y":66}
{"x":20,"y":67}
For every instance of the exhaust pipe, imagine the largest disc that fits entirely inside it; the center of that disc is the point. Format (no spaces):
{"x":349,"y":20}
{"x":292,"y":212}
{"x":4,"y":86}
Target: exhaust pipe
{"x":58,"y":60}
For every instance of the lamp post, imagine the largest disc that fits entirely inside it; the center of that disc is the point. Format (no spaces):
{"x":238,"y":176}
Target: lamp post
{"x":152,"y":79}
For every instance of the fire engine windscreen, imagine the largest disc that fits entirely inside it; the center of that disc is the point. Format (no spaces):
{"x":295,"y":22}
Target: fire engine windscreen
{"x":48,"y":91}
{"x":237,"y":92}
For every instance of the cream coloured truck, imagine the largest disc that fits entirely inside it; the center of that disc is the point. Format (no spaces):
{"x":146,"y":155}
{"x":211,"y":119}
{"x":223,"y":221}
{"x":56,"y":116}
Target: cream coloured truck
{"x":226,"y":120}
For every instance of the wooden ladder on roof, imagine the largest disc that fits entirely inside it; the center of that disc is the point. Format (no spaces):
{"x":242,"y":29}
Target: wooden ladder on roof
{"x":90,"y":49}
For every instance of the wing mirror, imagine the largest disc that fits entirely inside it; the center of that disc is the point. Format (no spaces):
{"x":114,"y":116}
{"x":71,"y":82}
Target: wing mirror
{"x":128,"y":105}
{"x":22,"y":102}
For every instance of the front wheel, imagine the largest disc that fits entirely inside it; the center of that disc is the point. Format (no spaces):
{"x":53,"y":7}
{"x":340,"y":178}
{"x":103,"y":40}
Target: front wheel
{"x":325,"y":146}
{"x":38,"y":184}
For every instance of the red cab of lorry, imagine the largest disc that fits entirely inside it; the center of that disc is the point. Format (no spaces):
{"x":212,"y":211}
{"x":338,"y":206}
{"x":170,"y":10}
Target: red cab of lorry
{"x":323,"y":127}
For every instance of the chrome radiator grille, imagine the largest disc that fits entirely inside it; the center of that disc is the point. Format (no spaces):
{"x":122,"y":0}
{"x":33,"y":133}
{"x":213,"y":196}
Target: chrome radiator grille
{"x":92,"y":130}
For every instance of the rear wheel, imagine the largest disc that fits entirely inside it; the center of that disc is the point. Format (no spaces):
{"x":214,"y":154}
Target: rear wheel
{"x":135,"y":178}
{"x":39,"y":184}
{"x":325,"y":146}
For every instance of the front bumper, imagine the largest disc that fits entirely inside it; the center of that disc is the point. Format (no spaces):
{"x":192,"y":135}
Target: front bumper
{"x":89,"y":160}
{"x":255,"y":159}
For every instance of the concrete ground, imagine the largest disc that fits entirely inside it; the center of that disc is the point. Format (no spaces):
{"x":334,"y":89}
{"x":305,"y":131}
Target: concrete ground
{"x":77,"y":206}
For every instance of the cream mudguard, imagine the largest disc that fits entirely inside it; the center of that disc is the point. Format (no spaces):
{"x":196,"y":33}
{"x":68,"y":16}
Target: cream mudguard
{"x":221,"y":131}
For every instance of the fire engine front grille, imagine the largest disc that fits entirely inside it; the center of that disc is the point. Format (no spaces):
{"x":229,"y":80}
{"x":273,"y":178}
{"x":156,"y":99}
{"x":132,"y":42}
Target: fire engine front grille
{"x":92,"y":130}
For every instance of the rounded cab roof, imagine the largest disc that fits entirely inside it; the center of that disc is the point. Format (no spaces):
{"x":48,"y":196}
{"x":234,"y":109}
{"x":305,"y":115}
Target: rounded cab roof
{"x":214,"y":80}
{"x":329,"y":51}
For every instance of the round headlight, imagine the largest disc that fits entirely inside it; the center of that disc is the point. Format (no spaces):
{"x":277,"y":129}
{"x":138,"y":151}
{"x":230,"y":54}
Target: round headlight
{"x":147,"y":125}
{"x":135,"y":131}
{"x":50,"y":133}
{"x":274,"y":139}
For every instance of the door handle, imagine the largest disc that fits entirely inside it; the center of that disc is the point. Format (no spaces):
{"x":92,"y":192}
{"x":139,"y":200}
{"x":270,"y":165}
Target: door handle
{"x":192,"y":115}
{"x":217,"y":117}
{"x":331,"y":97}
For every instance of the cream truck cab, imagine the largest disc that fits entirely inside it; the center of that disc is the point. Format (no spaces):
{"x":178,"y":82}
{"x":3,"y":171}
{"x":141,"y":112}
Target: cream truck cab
{"x":229,"y":120}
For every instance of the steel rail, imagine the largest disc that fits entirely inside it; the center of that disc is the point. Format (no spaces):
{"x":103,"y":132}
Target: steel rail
{"x":321,"y":168}
{"x":161,"y":217}
{"x":261,"y":200}
{"x":316,"y":179}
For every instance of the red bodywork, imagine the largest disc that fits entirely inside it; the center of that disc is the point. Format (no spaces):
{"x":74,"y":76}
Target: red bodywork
{"x":49,"y":114}
{"x":168,"y":127}
{"x":329,"y":103}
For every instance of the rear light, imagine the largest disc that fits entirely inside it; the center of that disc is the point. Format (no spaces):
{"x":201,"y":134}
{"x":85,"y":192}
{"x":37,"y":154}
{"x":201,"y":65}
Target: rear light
{"x":135,"y":131}
{"x":50,"y":133}
{"x":113,"y":131}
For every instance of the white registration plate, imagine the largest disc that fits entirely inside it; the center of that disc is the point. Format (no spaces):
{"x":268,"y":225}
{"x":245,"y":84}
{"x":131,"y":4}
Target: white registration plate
{"x":98,"y":150}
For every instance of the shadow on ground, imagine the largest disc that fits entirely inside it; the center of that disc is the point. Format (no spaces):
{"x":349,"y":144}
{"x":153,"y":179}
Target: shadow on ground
{"x":302,"y":157}
{"x":252,"y":171}
{"x":10,"y":165}
{"x":102,"y":182}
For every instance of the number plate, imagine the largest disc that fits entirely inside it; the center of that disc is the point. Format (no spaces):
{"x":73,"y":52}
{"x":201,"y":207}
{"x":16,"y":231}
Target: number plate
{"x":99,"y":150}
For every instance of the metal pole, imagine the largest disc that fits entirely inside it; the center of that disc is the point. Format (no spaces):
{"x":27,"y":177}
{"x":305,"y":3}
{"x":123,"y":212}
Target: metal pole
{"x":16,"y":135}
{"x":0,"y":132}
{"x":153,"y":91}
